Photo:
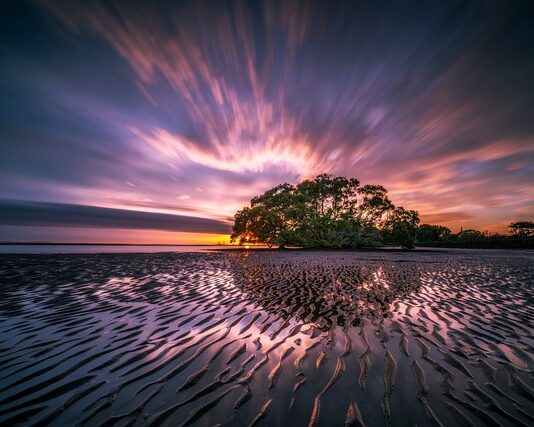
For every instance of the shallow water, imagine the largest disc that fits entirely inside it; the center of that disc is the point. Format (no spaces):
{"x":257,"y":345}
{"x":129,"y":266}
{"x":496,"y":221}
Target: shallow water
{"x":299,"y":338}
{"x":97,"y":249}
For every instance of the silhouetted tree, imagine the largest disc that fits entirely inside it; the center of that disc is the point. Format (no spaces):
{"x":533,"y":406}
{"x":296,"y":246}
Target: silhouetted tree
{"x":470,"y":235}
{"x":522,"y":229}
{"x":432,"y":233}
{"x":401,"y":227}
{"x":267,"y":220}
{"x":322,"y":212}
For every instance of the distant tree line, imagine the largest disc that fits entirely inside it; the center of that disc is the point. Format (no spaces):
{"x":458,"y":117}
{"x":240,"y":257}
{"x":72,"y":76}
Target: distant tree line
{"x":520,"y":235}
{"x":338,"y":212}
{"x":325,"y":212}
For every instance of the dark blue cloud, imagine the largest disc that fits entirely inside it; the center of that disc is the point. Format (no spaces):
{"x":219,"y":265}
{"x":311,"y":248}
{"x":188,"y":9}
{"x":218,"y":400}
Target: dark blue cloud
{"x":35,"y":214}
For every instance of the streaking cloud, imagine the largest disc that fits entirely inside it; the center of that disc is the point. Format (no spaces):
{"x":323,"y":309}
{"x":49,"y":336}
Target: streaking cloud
{"x":193,"y":108}
{"x":231,"y":94}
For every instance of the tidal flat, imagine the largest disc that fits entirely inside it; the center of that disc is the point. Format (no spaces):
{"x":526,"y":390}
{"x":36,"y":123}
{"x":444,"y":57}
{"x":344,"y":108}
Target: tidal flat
{"x":269,"y":338}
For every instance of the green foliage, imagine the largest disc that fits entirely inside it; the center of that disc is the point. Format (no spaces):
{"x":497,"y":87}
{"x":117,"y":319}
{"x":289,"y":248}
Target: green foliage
{"x":433,"y":233}
{"x":327,"y":211}
{"x":522,"y":229}
{"x":521,"y":237}
{"x":401,"y":227}
{"x":470,"y":235}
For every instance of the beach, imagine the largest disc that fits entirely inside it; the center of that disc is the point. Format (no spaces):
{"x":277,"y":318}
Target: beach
{"x":268,"y":337}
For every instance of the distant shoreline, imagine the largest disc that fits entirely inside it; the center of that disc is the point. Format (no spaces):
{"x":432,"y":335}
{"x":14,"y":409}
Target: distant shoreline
{"x":104,"y":244}
{"x":421,"y":247}
{"x":481,"y":244}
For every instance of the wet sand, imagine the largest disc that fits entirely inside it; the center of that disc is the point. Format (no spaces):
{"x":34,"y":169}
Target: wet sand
{"x":268,"y":338}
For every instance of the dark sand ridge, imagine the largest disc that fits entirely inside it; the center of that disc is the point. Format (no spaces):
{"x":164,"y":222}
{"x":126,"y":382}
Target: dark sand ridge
{"x":270,"y":338}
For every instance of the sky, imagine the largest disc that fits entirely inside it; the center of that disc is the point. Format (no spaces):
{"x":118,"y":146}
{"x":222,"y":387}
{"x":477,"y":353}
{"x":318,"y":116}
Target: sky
{"x":153,"y":122}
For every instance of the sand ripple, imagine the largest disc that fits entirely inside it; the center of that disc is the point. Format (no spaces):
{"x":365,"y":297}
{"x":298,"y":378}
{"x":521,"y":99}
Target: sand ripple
{"x":299,"y":338}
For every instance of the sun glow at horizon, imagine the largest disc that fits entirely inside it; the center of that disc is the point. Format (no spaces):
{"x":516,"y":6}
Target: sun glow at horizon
{"x":193,"y":110}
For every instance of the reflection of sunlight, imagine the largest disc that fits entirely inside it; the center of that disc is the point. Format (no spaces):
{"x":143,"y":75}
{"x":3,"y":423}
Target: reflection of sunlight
{"x":171,"y":330}
{"x":328,"y":293}
{"x":276,"y":346}
{"x":277,"y":312}
{"x":115,"y":284}
{"x":380,"y":278}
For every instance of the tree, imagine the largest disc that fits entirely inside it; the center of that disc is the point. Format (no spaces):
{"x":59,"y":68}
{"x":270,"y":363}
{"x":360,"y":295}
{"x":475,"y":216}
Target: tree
{"x":401,"y":226}
{"x":433,"y":233}
{"x":322,"y":212}
{"x":470,"y":235}
{"x":522,"y":229}
{"x":265,"y":221}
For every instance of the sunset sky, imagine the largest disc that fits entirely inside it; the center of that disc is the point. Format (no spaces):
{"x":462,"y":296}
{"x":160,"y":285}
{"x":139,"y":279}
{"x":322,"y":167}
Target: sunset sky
{"x":153,"y":122}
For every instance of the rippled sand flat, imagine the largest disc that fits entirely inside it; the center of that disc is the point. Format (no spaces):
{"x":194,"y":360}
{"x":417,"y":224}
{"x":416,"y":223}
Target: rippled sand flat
{"x":268,"y":338}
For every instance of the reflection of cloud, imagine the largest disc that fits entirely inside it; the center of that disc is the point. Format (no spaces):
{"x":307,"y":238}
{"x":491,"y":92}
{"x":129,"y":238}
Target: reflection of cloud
{"x":60,"y":214}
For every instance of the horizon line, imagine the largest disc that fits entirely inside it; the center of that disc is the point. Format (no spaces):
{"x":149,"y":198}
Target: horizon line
{"x":113,"y":244}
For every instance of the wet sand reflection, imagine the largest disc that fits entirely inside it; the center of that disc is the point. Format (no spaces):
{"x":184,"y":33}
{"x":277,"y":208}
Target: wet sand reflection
{"x":304,"y":338}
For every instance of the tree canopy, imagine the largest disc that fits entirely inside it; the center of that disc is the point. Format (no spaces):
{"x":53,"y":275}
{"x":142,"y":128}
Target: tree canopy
{"x":520,"y":236}
{"x":433,"y":233}
{"x":327,"y":211}
{"x":522,"y":229}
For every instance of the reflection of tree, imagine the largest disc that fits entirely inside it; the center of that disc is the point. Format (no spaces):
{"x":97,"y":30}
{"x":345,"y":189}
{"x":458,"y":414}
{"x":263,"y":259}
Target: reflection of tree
{"x":325,"y":291}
